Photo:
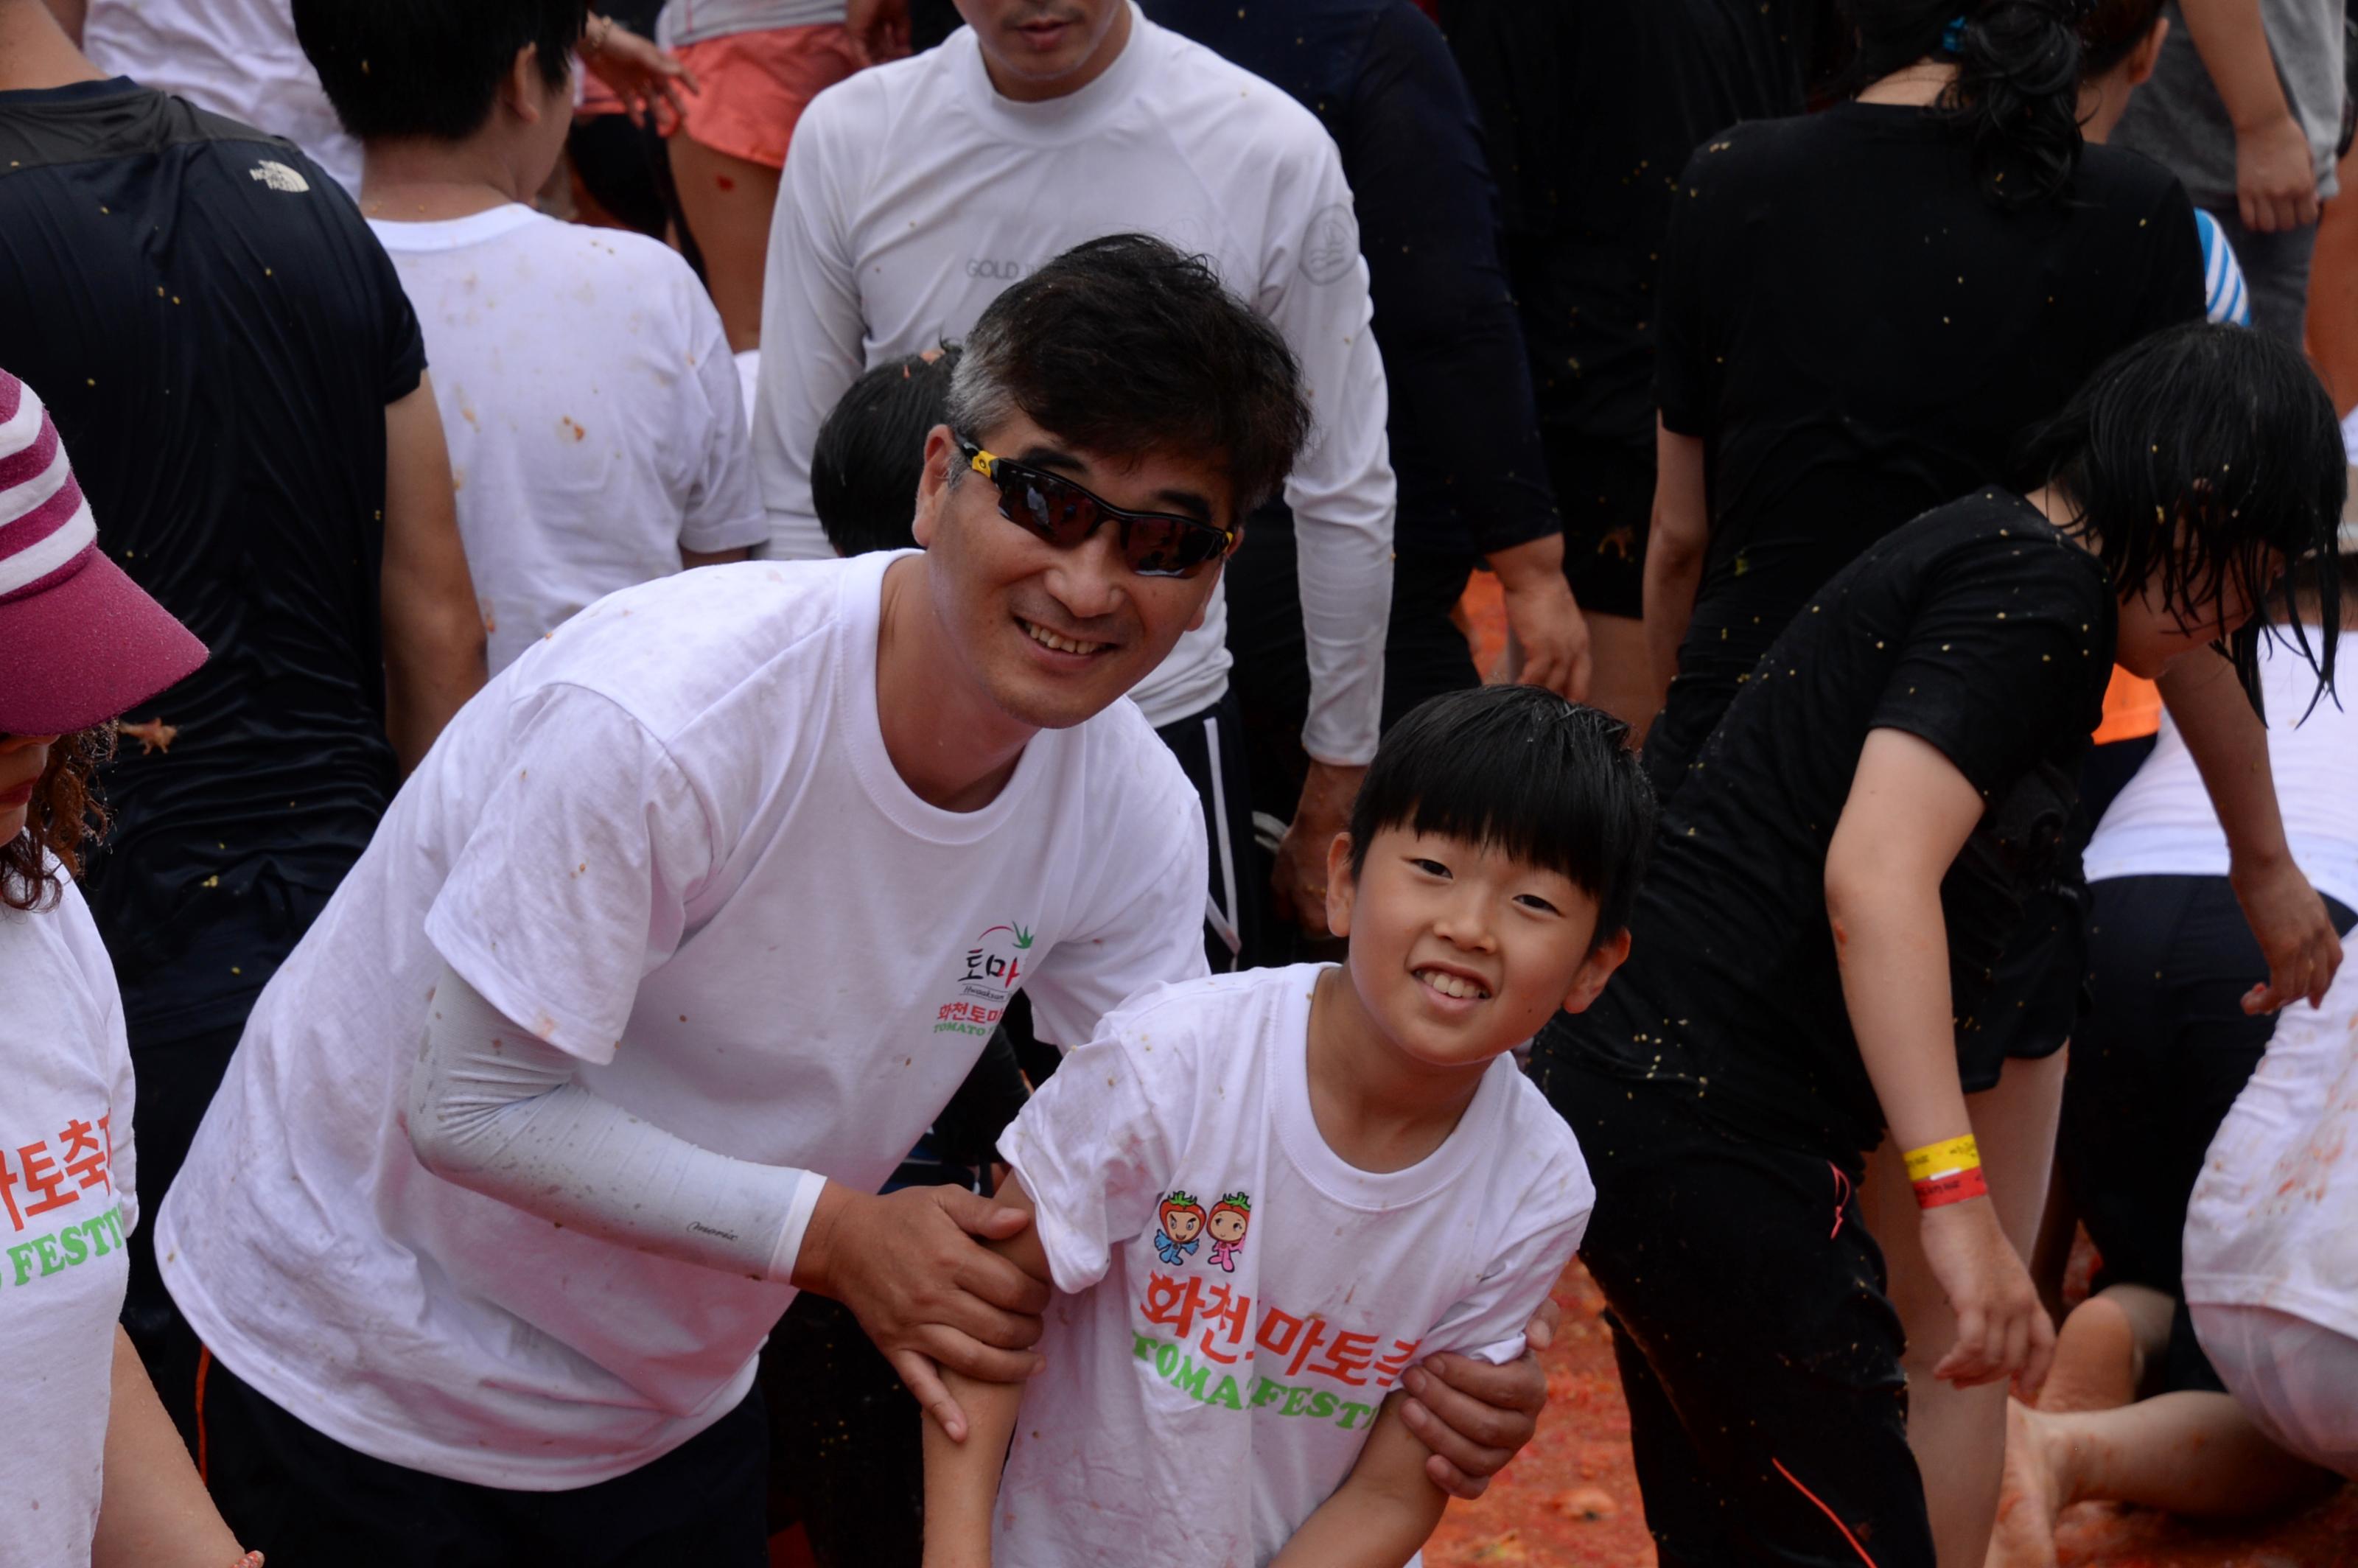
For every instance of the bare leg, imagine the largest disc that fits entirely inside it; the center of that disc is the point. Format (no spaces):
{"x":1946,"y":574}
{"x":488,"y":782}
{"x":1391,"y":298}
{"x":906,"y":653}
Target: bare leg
{"x":2103,"y":1348}
{"x":1621,"y":681}
{"x":1959,"y":1434}
{"x":2192,"y":1454}
{"x":728,"y":201}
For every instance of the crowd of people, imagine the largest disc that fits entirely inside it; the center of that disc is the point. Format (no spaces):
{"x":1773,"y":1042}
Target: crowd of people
{"x":742,"y":780}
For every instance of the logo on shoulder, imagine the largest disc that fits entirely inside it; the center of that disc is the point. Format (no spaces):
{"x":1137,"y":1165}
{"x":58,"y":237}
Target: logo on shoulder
{"x":1330,"y":244}
{"x":278,"y":176}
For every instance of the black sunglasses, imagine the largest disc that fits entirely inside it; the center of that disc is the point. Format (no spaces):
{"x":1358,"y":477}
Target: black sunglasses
{"x":1153,"y":544}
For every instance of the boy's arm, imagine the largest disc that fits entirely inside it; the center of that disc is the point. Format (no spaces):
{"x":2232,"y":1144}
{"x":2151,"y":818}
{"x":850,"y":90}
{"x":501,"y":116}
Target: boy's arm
{"x":1380,"y":1515}
{"x":962,"y":1466}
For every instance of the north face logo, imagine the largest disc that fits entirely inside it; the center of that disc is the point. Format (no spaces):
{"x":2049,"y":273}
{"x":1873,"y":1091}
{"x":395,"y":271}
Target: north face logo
{"x":277,"y":176}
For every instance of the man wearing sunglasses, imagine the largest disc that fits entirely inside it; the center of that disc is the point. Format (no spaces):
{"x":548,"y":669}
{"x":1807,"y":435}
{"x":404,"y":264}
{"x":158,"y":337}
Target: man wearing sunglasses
{"x":914,"y":192}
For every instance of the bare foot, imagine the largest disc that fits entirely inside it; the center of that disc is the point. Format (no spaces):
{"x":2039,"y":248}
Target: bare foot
{"x":2031,"y":1495}
{"x":2097,"y":1362}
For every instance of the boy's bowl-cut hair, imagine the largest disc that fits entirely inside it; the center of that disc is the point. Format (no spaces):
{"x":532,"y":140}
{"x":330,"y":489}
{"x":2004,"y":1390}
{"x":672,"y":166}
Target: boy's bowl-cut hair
{"x":1520,"y":769}
{"x":430,"y":68}
{"x":2192,"y":457}
{"x":870,"y":452}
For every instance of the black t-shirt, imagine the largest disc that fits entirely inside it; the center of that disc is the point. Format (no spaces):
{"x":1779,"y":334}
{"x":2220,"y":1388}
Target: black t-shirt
{"x":218,"y":335}
{"x":1857,"y":335}
{"x":1978,"y":627}
{"x":1379,"y":77}
{"x":1591,"y":108}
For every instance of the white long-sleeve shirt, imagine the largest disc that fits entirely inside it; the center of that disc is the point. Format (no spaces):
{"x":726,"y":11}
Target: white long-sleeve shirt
{"x":914,"y":193}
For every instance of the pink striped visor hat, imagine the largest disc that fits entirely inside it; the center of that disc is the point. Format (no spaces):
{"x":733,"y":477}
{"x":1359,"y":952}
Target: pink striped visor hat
{"x":80,"y":643}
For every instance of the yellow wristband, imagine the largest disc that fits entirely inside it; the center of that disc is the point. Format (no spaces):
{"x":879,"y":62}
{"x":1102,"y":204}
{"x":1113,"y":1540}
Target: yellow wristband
{"x":1944,"y":1158}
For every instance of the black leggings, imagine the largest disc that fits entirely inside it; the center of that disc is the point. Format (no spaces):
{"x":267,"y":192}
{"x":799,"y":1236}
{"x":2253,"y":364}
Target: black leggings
{"x":1757,"y":1349}
{"x":2155,"y":1068}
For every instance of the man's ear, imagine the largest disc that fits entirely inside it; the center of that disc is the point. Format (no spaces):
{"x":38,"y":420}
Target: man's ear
{"x":1341,"y":889}
{"x":524,"y":89}
{"x":933,"y":485}
{"x":1595,"y":969}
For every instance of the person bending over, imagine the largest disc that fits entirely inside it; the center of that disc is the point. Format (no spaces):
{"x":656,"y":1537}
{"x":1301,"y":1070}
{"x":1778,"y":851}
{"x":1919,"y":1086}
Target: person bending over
{"x":1265,"y":1199}
{"x":1829,"y":895}
{"x":684,"y":932}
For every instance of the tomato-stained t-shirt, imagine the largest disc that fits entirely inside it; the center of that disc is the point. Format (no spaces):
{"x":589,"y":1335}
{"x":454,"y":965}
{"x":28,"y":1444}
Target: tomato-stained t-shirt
{"x":1235,"y":1300}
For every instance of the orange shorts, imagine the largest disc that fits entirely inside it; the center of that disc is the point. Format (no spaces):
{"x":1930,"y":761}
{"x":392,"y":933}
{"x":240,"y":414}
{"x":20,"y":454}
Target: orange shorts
{"x":756,"y":86}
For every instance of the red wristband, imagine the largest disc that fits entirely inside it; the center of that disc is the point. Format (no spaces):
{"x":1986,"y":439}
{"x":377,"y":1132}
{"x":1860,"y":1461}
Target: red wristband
{"x":1954,"y":1187}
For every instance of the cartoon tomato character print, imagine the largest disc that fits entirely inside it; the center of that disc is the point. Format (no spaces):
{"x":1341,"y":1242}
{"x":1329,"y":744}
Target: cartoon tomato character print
{"x":1183,"y":1226}
{"x":1231,"y":1217}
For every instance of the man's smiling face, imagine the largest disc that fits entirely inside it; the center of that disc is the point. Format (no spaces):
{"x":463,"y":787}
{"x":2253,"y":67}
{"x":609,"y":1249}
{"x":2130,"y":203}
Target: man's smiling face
{"x":1055,"y":635}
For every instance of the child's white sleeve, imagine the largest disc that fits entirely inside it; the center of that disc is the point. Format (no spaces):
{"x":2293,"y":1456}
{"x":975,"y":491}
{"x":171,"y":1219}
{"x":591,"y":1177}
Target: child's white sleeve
{"x":1488,"y":1323}
{"x":1093,"y":1154}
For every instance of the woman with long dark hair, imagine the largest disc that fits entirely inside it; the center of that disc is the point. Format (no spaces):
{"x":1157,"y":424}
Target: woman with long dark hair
{"x":1836,"y":885}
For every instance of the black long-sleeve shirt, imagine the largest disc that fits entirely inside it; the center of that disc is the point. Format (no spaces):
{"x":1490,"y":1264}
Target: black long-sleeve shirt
{"x":1378,"y":75}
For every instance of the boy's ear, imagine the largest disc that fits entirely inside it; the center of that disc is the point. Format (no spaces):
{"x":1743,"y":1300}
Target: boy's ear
{"x":522,"y":90}
{"x":1595,"y":969}
{"x":1340,"y":889}
{"x":2148,"y":55}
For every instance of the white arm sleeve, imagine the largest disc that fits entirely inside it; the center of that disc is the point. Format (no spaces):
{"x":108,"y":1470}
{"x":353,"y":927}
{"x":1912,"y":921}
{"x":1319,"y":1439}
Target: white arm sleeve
{"x":495,"y":1110}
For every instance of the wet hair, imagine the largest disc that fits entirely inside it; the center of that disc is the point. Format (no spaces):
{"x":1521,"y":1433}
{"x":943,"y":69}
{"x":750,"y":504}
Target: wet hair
{"x":2016,"y":100}
{"x":2111,"y":30}
{"x":431,"y":68}
{"x":2203,"y":457}
{"x":870,"y":452}
{"x":1123,"y":346}
{"x":61,"y":821}
{"x":1516,"y":768}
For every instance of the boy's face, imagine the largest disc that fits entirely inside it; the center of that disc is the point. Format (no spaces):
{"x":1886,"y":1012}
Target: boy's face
{"x":1054,"y":635}
{"x":2152,"y":638}
{"x":1458,"y":951}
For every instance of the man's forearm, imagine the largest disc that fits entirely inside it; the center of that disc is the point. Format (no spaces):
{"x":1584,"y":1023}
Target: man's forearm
{"x":2233,"y":39}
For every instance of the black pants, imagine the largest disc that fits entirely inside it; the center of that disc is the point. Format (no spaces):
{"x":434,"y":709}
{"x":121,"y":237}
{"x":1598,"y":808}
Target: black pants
{"x":1210,"y":746}
{"x":2156,"y":1069}
{"x":1757,"y":1348}
{"x":308,"y":1502}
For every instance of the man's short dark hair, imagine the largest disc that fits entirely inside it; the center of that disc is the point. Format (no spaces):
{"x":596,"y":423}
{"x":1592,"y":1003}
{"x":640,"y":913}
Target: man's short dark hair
{"x":1543,"y":781}
{"x":1123,"y":346}
{"x":2111,"y":30}
{"x":871,"y":453}
{"x":430,"y":68}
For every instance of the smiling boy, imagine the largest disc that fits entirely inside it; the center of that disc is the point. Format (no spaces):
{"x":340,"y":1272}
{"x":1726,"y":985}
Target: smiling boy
{"x":1406,"y":1192}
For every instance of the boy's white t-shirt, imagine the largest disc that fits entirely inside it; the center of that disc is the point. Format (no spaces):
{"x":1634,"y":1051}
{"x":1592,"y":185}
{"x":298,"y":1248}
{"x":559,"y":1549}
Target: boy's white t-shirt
{"x":1205,"y":1393}
{"x":592,"y":407}
{"x":670,"y":841}
{"x":66,"y":1203}
{"x":2273,"y":1220}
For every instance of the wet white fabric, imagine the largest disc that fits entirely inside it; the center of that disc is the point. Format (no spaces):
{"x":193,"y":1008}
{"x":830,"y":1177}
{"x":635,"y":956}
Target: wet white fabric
{"x":1236,"y":1300}
{"x":915,"y":194}
{"x":495,"y":1110}
{"x":2269,"y":1222}
{"x":67,"y":1199}
{"x":671,"y":843}
{"x":238,"y":57}
{"x":2298,"y":1382}
{"x":2162,"y":823}
{"x":590,"y":404}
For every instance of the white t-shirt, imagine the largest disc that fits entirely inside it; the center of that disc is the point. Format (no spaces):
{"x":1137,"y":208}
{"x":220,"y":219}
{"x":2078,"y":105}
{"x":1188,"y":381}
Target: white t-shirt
{"x":2162,"y":823}
{"x":1205,"y":1393}
{"x":668,"y":840}
{"x":592,"y":407}
{"x":238,"y":57}
{"x":914,"y":193}
{"x":2273,"y":1221}
{"x":67,"y":1201}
